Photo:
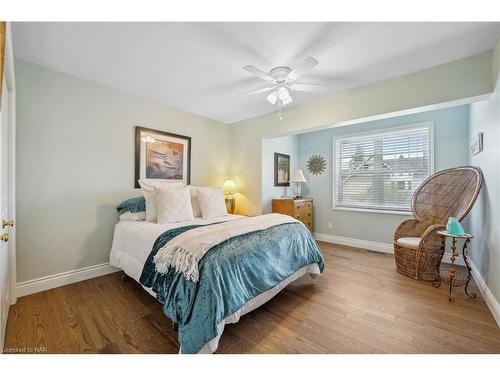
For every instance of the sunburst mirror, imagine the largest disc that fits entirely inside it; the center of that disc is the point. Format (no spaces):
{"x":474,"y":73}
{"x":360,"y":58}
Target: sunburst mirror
{"x":316,"y":164}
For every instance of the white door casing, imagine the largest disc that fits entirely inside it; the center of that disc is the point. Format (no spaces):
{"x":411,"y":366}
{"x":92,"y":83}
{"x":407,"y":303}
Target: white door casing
{"x":7,"y":187}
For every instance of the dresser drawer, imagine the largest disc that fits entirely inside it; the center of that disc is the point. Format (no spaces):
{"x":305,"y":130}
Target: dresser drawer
{"x":303,"y":215}
{"x":300,"y":209}
{"x":304,"y":209}
{"x":303,"y":204}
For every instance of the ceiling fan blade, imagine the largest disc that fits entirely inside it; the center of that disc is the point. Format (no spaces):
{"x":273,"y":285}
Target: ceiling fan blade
{"x":258,"y":91}
{"x":307,"y":87}
{"x":259,"y":73}
{"x":301,"y":69}
{"x":273,"y":97}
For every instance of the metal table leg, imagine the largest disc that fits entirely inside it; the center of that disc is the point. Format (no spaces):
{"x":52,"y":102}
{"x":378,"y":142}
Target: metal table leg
{"x":464,"y":254}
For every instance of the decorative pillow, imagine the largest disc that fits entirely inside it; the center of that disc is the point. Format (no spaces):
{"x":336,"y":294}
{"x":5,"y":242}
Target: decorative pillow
{"x":133,"y":216}
{"x":174,"y":205}
{"x":133,"y":205}
{"x":212,"y":203}
{"x":148,"y":189}
{"x":194,"y":201}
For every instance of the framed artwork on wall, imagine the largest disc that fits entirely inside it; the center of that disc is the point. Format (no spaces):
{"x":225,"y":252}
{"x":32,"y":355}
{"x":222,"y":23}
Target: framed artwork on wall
{"x":161,"y":156}
{"x":281,"y":169}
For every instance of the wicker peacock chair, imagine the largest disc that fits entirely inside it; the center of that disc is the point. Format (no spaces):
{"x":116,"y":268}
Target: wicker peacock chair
{"x":418,"y":249}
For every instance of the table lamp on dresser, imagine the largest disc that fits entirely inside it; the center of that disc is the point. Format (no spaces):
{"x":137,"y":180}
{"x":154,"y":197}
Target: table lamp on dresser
{"x":229,"y":188}
{"x":298,"y":178}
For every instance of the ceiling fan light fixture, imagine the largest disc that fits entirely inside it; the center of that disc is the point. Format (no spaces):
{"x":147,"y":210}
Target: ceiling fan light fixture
{"x":283,"y":93}
{"x":272,"y":97}
{"x":287,"y":100}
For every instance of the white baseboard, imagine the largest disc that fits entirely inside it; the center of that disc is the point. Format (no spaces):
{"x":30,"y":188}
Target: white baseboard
{"x":489,"y":298}
{"x":373,"y":246}
{"x":363,"y":244}
{"x":53,"y":281}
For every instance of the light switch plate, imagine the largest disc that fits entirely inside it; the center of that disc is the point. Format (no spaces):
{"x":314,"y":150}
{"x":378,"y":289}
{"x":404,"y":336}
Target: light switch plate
{"x":476,"y":144}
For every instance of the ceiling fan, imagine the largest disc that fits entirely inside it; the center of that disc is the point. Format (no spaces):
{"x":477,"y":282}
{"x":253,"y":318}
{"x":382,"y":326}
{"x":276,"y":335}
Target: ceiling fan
{"x":282,"y":81}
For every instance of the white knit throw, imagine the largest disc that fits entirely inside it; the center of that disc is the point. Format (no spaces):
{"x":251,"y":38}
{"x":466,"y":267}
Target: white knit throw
{"x":184,"y":251}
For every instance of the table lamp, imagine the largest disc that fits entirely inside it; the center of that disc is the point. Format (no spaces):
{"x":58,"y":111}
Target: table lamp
{"x":298,"y":178}
{"x":229,"y":188}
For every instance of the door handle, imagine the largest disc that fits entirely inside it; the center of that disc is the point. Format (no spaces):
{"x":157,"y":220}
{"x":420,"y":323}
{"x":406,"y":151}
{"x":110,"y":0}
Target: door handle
{"x":4,"y":237}
{"x":7,"y":223}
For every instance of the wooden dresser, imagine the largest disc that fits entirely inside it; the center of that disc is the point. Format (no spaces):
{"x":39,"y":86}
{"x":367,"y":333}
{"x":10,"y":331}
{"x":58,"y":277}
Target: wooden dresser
{"x":301,"y":209}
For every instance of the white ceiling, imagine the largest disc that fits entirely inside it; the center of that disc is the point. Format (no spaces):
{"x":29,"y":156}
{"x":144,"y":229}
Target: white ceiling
{"x":197,"y":67}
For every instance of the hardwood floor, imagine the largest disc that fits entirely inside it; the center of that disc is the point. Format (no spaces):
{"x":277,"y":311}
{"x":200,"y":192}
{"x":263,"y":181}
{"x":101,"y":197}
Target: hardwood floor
{"x":359,"y":305}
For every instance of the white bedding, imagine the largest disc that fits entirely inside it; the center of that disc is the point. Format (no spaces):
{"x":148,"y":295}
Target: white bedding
{"x":133,"y":241}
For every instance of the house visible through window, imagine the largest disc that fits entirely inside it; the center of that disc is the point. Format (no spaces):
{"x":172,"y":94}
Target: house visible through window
{"x":381,"y":170}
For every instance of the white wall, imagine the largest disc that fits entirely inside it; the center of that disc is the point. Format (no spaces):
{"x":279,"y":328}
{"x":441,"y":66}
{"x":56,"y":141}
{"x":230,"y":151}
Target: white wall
{"x":485,"y":216}
{"x":284,"y":145}
{"x":75,"y":163}
{"x":456,"y":80}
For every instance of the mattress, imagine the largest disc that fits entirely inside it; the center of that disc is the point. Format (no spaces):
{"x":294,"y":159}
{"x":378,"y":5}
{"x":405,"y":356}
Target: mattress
{"x":133,"y":242}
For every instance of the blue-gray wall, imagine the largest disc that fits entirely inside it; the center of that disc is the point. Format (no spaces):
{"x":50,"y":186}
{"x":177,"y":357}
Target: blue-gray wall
{"x":450,"y":150}
{"x":485,"y":216}
{"x":284,"y":145}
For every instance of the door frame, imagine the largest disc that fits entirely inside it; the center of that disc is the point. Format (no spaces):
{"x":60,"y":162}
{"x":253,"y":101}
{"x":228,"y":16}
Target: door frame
{"x":10,"y":82}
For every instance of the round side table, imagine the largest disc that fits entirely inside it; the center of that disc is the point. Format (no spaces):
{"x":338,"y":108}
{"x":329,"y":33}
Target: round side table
{"x":453,"y":277}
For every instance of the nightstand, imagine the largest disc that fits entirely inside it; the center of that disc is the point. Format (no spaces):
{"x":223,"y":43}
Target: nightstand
{"x":301,"y":209}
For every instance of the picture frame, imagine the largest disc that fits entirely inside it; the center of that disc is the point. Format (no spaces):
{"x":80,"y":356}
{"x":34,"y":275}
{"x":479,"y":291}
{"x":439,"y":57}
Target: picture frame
{"x":281,"y":169}
{"x":161,"y":155}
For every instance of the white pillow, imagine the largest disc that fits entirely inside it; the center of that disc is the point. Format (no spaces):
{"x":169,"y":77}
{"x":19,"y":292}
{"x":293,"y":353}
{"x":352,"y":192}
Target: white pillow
{"x":133,"y":216}
{"x":148,"y":189}
{"x":212,"y":202}
{"x":174,"y":205}
{"x":194,"y":201}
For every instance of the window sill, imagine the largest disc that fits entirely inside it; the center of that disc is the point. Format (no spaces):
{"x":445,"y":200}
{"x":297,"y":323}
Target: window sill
{"x":374,"y":211}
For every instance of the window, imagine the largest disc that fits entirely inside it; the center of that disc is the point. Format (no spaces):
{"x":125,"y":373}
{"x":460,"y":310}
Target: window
{"x":381,"y":170}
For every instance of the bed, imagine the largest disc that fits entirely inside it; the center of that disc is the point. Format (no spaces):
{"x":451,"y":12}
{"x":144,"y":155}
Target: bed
{"x":243,"y":263}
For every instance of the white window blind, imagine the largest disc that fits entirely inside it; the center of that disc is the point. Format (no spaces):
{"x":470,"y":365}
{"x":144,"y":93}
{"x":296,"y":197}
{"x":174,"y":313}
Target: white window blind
{"x":381,"y":170}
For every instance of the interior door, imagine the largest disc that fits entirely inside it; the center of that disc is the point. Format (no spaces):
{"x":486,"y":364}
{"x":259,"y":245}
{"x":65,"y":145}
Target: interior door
{"x":4,"y":261}
{"x":5,"y":223}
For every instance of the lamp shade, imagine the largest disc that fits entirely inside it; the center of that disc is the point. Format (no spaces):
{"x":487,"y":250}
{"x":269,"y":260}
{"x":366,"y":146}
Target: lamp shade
{"x":229,"y":187}
{"x":298,"y":176}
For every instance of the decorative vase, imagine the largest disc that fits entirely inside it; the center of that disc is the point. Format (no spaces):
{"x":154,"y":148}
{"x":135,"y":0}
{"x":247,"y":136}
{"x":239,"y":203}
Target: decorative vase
{"x":454,"y":227}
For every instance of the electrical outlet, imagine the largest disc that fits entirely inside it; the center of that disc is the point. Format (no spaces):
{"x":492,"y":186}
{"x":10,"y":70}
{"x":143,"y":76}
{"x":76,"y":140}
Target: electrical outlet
{"x":330,"y":225}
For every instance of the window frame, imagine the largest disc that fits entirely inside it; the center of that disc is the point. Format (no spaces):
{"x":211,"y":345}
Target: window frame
{"x":428,"y":124}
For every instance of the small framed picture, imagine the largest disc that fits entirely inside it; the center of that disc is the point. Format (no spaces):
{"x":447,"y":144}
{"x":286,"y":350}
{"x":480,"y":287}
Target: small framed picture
{"x":281,"y":169}
{"x":161,"y":156}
